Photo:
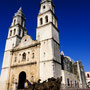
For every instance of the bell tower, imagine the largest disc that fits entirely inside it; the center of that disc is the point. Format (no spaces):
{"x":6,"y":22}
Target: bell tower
{"x":48,"y":36}
{"x":16,"y":31}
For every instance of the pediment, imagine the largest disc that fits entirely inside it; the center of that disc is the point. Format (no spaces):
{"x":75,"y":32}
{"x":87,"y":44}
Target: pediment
{"x":25,"y":42}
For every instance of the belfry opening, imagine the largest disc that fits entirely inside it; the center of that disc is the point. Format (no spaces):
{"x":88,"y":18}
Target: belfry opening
{"x":22,"y":78}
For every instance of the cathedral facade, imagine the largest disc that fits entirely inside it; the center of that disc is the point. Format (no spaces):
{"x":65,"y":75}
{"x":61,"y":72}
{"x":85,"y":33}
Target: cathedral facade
{"x":29,"y":60}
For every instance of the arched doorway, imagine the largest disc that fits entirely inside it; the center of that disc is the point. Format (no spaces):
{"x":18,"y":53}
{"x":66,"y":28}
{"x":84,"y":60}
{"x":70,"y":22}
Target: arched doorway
{"x":22,"y":78}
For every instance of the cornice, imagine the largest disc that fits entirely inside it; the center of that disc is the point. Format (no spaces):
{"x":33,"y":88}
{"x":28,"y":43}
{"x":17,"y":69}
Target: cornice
{"x":48,"y":24}
{"x":18,"y":26}
{"x":14,"y":36}
{"x":46,"y":12}
{"x":20,"y":16}
{"x":18,"y":49}
{"x":51,"y":60}
{"x":31,"y":63}
{"x":48,"y":1}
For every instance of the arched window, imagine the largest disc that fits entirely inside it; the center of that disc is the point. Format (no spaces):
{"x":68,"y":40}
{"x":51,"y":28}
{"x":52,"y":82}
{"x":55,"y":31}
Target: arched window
{"x":23,"y":33}
{"x":88,"y":75}
{"x":75,"y":83}
{"x":44,"y":7}
{"x":14,"y":31}
{"x":41,"y":21}
{"x":46,"y":19}
{"x":32,"y":78}
{"x":68,"y":81}
{"x":71,"y":84}
{"x":15,"y":59}
{"x":88,"y":83}
{"x":32,"y":55}
{"x":22,"y":22}
{"x":19,"y":32}
{"x":11,"y":33}
{"x":14,"y":21}
{"x":44,"y":54}
{"x":24,"y":56}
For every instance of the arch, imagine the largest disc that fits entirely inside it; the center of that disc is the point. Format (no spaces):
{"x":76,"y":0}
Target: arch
{"x":44,"y":7}
{"x":19,"y":32}
{"x":32,"y":78}
{"x":23,"y":33}
{"x":11,"y":33}
{"x":14,"y":21}
{"x":88,"y":75}
{"x":89,"y":83}
{"x":15,"y":59}
{"x":22,"y":79}
{"x":33,"y":55}
{"x":14,"y":31}
{"x":75,"y":83}
{"x":41,"y":21}
{"x":24,"y":56}
{"x":46,"y":19}
{"x":68,"y":81}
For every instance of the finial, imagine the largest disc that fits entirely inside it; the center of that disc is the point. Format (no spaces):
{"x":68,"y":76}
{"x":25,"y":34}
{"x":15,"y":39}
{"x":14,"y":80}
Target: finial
{"x":19,"y":12}
{"x":46,"y":0}
{"x":62,"y":53}
{"x":20,"y":9}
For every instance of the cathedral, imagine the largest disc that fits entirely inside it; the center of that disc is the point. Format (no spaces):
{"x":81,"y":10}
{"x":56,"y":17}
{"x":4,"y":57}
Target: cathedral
{"x":31,"y":60}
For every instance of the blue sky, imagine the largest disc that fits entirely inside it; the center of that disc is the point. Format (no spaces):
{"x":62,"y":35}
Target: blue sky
{"x":73,"y":23}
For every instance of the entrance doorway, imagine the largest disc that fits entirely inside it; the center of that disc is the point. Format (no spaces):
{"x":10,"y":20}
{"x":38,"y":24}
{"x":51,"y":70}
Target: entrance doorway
{"x":22,"y":78}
